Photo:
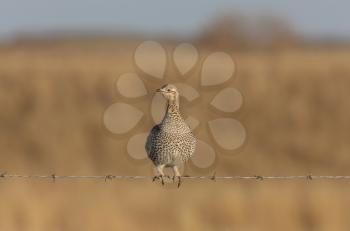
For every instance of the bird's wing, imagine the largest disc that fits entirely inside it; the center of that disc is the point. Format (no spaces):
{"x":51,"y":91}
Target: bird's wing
{"x":150,"y":139}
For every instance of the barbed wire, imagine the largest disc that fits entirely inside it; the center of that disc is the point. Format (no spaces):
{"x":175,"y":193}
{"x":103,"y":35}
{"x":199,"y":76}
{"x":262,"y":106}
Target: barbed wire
{"x":213,"y":177}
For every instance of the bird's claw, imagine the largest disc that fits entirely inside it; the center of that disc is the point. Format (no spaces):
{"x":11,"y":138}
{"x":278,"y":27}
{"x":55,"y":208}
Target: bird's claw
{"x":160,"y":177}
{"x":178,"y":180}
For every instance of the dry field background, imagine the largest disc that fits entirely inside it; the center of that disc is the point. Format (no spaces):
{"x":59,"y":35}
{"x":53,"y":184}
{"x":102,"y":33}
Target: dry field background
{"x":52,"y":98}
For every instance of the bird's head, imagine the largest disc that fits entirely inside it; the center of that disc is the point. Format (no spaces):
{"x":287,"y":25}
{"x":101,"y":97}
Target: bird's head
{"x":169,"y":92}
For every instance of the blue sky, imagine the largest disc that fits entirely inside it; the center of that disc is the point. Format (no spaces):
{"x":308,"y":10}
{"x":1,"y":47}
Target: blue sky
{"x":312,"y":18}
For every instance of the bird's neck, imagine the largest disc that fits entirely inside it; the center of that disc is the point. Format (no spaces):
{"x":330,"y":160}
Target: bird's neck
{"x":173,"y":106}
{"x":172,"y":121}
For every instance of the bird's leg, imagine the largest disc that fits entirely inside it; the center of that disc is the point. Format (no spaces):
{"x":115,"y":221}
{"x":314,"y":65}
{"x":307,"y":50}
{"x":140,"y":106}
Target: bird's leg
{"x":177,"y":175}
{"x":160,"y":172}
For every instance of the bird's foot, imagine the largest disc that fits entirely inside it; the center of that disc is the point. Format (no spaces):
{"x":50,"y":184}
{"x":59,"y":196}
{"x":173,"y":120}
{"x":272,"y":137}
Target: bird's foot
{"x":159,"y":177}
{"x":178,"y":180}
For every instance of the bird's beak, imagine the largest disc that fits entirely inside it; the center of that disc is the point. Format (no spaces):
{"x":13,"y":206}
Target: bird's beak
{"x":159,"y":90}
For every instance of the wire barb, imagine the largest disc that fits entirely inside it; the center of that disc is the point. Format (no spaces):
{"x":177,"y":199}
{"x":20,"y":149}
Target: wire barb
{"x":213,"y":177}
{"x":53,"y":177}
{"x":3,"y":174}
{"x":309,"y":177}
{"x":109,"y":177}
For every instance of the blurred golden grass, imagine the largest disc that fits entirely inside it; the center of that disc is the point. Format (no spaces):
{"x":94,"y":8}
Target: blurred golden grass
{"x":52,"y":98}
{"x":204,"y":206}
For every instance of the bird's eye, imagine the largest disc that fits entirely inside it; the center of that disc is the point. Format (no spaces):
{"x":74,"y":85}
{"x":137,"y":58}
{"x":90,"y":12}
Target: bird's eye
{"x":168,"y":90}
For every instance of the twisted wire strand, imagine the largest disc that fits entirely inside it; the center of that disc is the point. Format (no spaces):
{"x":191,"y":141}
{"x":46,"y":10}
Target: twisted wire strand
{"x":55,"y":177}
